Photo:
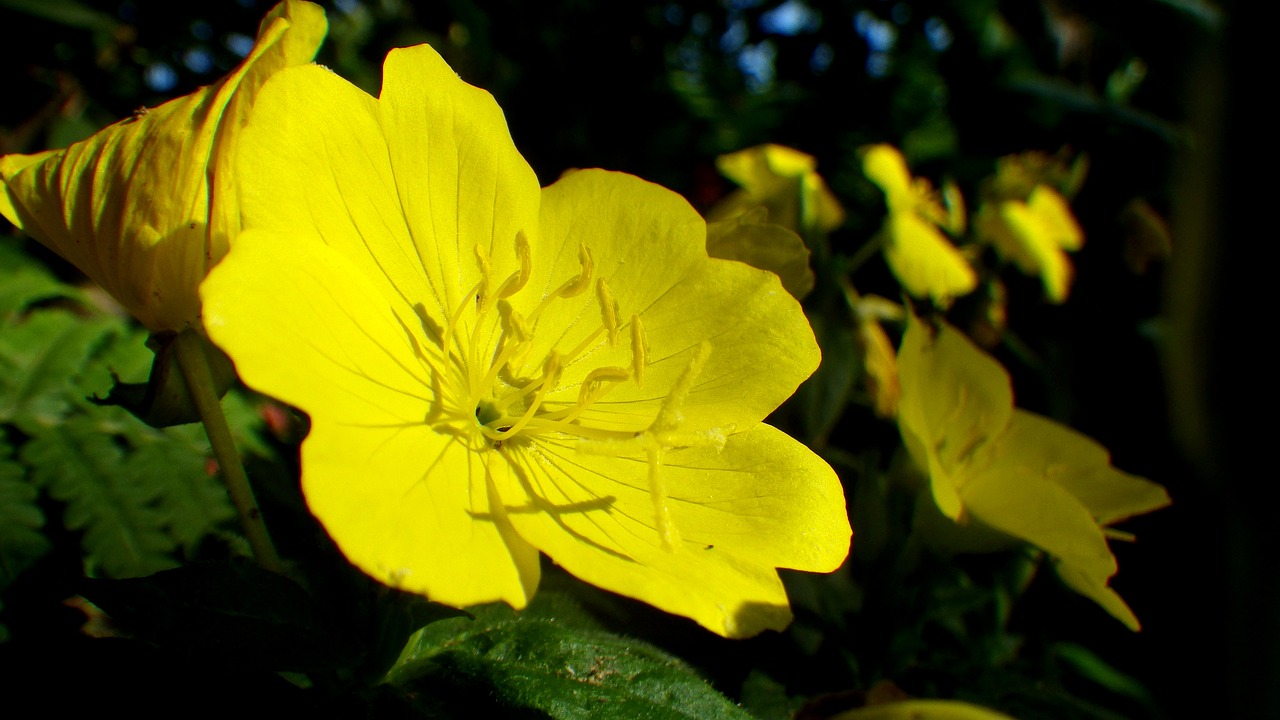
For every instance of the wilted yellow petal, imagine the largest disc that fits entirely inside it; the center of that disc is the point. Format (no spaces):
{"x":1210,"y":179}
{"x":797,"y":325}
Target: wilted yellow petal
{"x":140,"y":206}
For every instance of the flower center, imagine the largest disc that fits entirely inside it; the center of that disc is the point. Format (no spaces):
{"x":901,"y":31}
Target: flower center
{"x":492,"y":392}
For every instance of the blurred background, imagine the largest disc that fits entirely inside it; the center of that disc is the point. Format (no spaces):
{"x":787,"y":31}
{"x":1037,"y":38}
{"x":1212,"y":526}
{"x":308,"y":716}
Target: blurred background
{"x":1143,"y":357}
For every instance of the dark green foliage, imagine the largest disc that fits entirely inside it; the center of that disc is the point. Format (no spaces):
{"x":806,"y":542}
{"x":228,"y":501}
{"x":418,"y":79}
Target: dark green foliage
{"x":538,"y":664}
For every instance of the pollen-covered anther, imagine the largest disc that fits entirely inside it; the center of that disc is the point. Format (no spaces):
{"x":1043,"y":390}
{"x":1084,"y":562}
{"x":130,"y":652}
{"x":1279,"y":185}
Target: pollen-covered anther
{"x":639,"y":350}
{"x":575,"y":285}
{"x":517,"y":280}
{"x":598,"y":381}
{"x":608,"y":311}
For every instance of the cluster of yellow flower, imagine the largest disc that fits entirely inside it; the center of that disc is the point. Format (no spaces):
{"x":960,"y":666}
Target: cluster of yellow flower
{"x":495,"y":370}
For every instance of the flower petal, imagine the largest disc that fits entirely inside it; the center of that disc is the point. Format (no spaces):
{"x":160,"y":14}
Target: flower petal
{"x":385,"y":181}
{"x":305,"y":325}
{"x":1096,"y":589}
{"x":953,"y":399}
{"x":748,"y":238}
{"x":1082,"y":466}
{"x":649,"y":245}
{"x":885,"y":166}
{"x":924,"y":261}
{"x":764,"y":502}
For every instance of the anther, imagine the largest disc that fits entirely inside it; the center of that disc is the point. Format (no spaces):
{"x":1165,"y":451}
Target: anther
{"x":608,"y":311}
{"x":576,"y":285}
{"x":590,"y":390}
{"x":516,"y":281}
{"x":639,"y":350}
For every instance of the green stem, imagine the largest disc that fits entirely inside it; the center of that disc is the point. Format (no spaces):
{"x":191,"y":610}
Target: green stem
{"x":195,"y":369}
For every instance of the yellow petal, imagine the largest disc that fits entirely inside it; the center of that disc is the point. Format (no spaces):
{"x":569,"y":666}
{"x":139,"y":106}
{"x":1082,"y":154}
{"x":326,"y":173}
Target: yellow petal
{"x":1056,"y":214}
{"x":1082,"y":467}
{"x":1095,"y":587}
{"x":765,"y":501}
{"x":924,"y":261}
{"x":953,"y":400}
{"x":650,"y":246}
{"x":1033,"y":243}
{"x":132,"y":206}
{"x":765,"y":246}
{"x":922,"y":710}
{"x":405,"y":503}
{"x":406,"y":185}
{"x":885,"y":166}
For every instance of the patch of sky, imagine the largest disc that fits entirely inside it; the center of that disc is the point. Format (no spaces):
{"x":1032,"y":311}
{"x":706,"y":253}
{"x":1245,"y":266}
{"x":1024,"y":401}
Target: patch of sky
{"x":879,"y":34}
{"x":347,"y":7}
{"x":757,"y":65}
{"x":937,"y":34}
{"x":792,"y":17}
{"x":743,"y":4}
{"x":239,"y":44}
{"x":160,"y":77}
{"x":673,"y":13}
{"x":821,"y":58}
{"x":198,"y":60}
{"x":735,"y":37}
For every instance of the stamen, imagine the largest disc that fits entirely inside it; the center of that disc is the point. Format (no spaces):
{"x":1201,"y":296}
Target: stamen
{"x":482,"y":261}
{"x":576,"y":285}
{"x":589,"y":392}
{"x":550,"y":378}
{"x":639,"y":350}
{"x":608,"y":311}
{"x":516,"y":281}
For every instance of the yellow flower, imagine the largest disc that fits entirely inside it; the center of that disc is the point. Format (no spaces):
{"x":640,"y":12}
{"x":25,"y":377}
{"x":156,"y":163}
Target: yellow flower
{"x":1030,"y":223}
{"x":920,"y":256}
{"x":783,"y":180}
{"x":144,"y":207}
{"x":493,"y":369}
{"x":1014,"y":471}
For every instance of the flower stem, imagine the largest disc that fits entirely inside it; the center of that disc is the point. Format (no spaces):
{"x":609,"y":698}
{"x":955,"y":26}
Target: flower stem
{"x":195,"y":369}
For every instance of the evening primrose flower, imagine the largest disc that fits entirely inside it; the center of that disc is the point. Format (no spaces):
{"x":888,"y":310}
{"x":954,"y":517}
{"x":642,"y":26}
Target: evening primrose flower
{"x":1029,"y":222}
{"x":783,"y":180}
{"x":493,"y":369}
{"x":144,"y":207}
{"x":920,"y":256}
{"x":1013,"y":471}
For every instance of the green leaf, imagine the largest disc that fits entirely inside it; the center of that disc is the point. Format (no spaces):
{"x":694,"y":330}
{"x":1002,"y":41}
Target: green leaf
{"x":117,"y":508}
{"x":21,"y":541}
{"x":24,"y":281}
{"x":41,"y":359}
{"x":535,"y":666}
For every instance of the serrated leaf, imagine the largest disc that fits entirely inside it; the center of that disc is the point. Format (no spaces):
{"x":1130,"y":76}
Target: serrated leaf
{"x":124,"y":532}
{"x":41,"y":360}
{"x":232,"y":613}
{"x":21,"y":541}
{"x":534,"y":665}
{"x":192,"y":502}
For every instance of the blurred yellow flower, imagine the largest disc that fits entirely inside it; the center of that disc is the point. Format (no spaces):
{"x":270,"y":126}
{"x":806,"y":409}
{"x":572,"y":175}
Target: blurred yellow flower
{"x":783,"y":180}
{"x":751,"y":239}
{"x":1014,"y":471}
{"x":145,"y":206}
{"x":920,"y":256}
{"x":1029,"y":222}
{"x":493,"y":369}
